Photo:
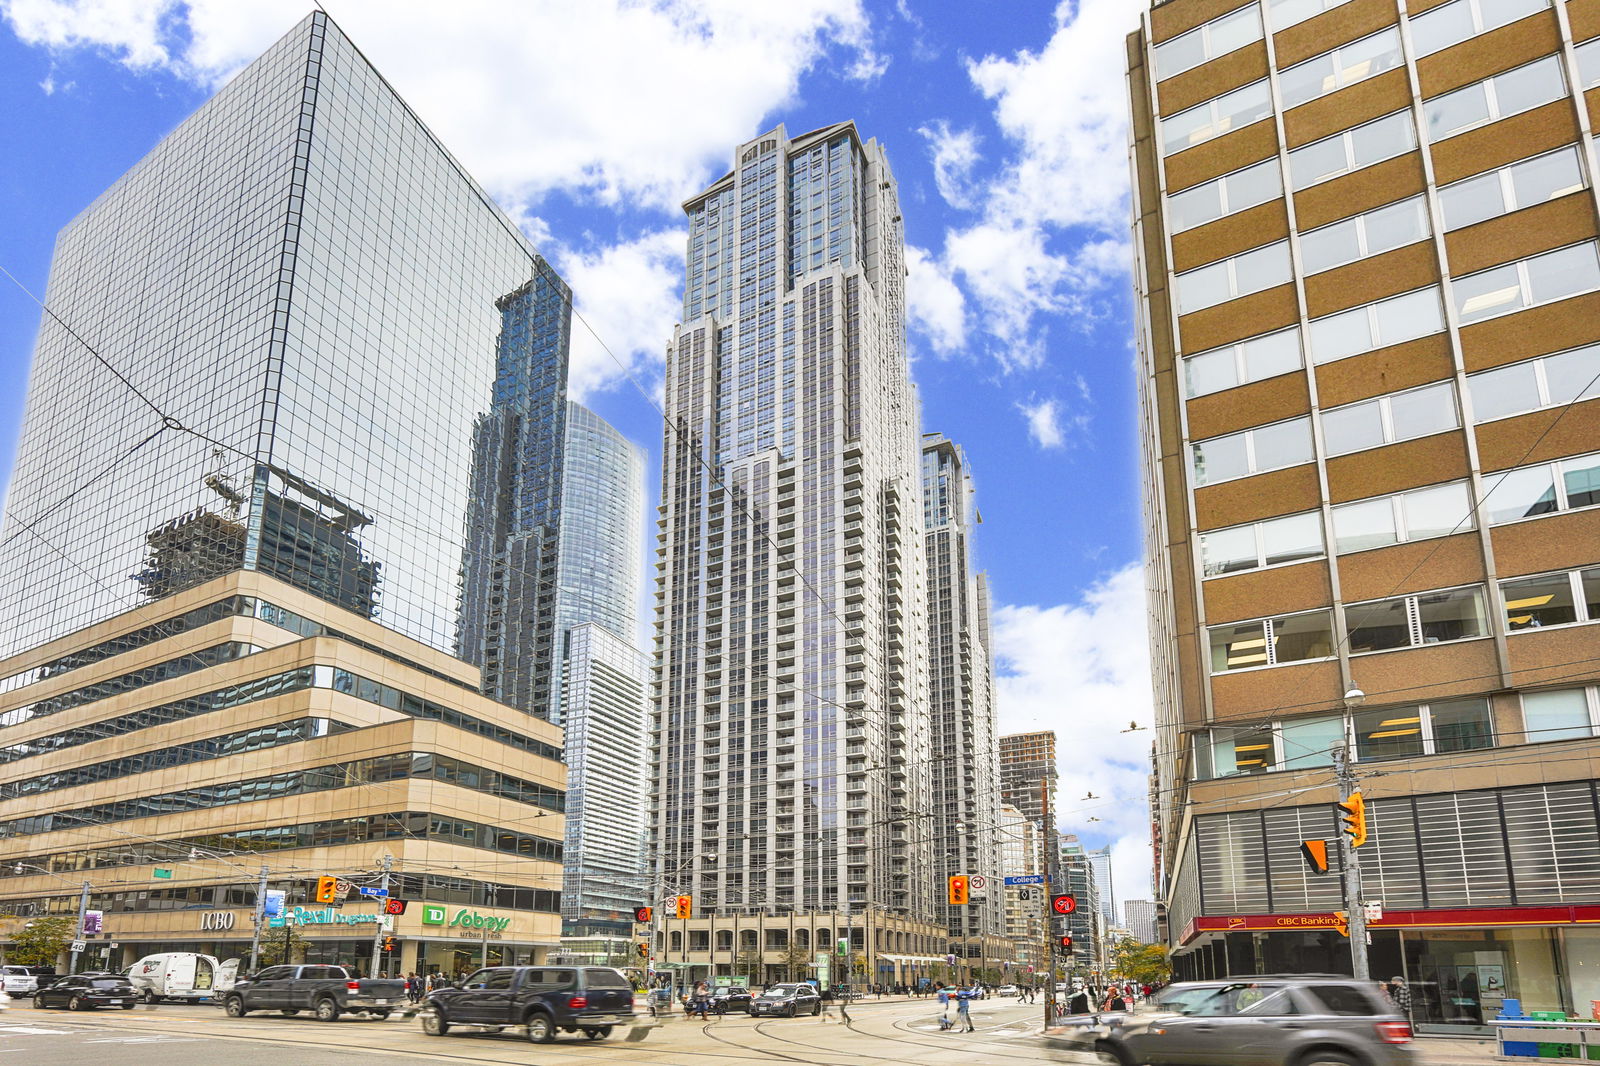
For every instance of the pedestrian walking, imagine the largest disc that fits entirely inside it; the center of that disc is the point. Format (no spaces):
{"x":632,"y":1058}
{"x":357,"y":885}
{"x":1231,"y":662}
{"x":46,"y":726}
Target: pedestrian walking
{"x":702,"y":1000}
{"x":964,"y":1007}
{"x":944,"y":1008}
{"x":1399,"y":994}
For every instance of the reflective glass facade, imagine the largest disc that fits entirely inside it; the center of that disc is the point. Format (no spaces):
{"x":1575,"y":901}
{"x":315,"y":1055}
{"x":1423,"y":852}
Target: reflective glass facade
{"x":301,"y":283}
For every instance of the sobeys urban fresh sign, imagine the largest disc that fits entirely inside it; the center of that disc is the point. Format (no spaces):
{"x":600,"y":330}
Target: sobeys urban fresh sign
{"x":433,"y":914}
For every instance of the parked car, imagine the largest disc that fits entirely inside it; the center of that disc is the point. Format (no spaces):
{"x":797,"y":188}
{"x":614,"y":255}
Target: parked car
{"x":18,"y":981}
{"x":787,"y":1001}
{"x":1008,"y":990}
{"x":1266,"y":1020}
{"x":84,"y":991}
{"x":730,"y":997}
{"x":544,"y":1000}
{"x":182,"y":975}
{"x":327,"y":991}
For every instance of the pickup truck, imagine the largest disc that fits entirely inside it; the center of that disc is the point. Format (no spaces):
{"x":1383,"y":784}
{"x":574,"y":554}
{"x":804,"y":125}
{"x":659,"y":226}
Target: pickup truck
{"x":541,"y":999}
{"x":327,"y":991}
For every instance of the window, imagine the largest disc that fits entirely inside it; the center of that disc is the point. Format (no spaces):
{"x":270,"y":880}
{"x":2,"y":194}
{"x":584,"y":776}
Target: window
{"x":1410,"y":621}
{"x":1252,"y":451}
{"x":1439,"y":28}
{"x":1372,"y":142}
{"x":1226,"y":195}
{"x":1460,"y":725}
{"x":1228,"y":112}
{"x":1286,"y":13}
{"x":500,"y":979}
{"x":1309,"y":742}
{"x":1216,"y":38}
{"x":1271,"y":641}
{"x":1345,"y":65}
{"x":1549,"y":381}
{"x":1239,"y":364}
{"x":1387,"y":419}
{"x":1376,"y":325}
{"x":1544,"y":489}
{"x":1241,"y":751}
{"x":1589,"y":63}
{"x":1345,"y":1000}
{"x":1388,"y":733}
{"x":1379,"y":733}
{"x":1360,"y":236}
{"x":1551,"y":599}
{"x":1527,"y":282}
{"x":1278,"y":540}
{"x":1239,"y":275}
{"x":1525,"y":184}
{"x":1483,"y":102}
{"x":1559,"y":715}
{"x":1436,"y":511}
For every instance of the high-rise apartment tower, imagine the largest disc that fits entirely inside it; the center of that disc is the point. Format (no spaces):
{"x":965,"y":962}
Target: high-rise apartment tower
{"x":791,"y":761}
{"x":1369,"y":336}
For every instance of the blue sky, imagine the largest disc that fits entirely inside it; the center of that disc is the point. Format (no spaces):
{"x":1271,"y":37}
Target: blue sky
{"x":1004,"y":123}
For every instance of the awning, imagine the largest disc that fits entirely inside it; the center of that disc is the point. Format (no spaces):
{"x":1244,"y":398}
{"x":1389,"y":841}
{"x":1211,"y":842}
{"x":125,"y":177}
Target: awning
{"x":1432,"y":918}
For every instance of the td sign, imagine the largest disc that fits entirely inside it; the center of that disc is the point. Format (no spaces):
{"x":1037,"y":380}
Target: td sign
{"x":434,"y":914}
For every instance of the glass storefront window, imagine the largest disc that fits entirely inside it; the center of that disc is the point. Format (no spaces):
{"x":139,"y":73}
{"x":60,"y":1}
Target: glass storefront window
{"x":1388,"y":733}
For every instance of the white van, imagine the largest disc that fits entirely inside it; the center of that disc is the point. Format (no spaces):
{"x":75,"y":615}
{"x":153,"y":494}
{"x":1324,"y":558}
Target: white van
{"x":18,"y":981}
{"x":182,"y":975}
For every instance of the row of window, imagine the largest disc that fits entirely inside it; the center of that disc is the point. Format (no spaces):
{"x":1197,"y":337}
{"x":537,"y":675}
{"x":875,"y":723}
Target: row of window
{"x":1432,"y":31}
{"x":1564,"y":598}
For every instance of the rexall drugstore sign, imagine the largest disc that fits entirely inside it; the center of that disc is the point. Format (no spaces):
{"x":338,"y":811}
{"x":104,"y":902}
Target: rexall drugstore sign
{"x":329,"y":916}
{"x":433,"y":914}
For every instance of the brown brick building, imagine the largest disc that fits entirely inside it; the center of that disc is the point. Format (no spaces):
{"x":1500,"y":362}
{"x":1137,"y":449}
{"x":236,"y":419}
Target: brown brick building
{"x":1369,"y":325}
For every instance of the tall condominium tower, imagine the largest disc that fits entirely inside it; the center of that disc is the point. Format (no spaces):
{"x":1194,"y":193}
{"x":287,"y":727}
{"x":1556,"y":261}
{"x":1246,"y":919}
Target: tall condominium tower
{"x":1087,"y":924}
{"x":966,"y":790}
{"x":232,"y":541}
{"x":1105,"y":884}
{"x":791,"y":730}
{"x":1022,"y":852}
{"x":1369,"y":340}
{"x":1028,"y":780}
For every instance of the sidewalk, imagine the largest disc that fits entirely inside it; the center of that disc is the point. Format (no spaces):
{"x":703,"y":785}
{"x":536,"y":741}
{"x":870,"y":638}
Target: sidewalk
{"x":1450,"y":1050}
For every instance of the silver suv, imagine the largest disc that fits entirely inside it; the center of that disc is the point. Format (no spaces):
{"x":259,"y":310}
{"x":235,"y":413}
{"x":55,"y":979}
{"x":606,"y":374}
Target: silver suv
{"x":1266,"y":1020}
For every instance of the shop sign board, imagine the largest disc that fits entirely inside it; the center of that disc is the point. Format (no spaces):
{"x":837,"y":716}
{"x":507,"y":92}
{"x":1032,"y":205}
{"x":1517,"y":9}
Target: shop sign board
{"x":217,"y":921}
{"x":433,"y":914}
{"x":328,"y":916}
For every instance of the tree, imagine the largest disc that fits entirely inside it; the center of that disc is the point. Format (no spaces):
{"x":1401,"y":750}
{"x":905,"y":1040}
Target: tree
{"x":272,"y":944}
{"x":40,"y":940}
{"x":795,"y":959}
{"x":1145,"y":963}
{"x":750,"y":965}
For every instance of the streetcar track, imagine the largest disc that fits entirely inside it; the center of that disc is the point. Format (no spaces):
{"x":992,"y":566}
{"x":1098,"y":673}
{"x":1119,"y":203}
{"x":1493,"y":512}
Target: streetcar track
{"x":851,"y":1054}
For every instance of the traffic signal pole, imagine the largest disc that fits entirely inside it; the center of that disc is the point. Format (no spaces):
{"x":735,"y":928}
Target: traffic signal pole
{"x":1048,"y":954}
{"x":1355,"y":910}
{"x":378,"y":930}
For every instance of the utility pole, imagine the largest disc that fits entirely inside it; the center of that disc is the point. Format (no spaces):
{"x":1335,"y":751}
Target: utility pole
{"x":261,"y":917}
{"x":377,"y":929}
{"x":77,"y":937}
{"x":1048,"y":955}
{"x":1354,"y":908}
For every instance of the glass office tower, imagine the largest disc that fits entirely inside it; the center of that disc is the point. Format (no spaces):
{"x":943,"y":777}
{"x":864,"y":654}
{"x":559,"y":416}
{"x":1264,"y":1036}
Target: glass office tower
{"x":297,"y":290}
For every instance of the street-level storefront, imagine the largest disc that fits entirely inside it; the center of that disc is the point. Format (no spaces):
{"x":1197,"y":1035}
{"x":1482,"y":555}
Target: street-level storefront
{"x":1461,"y":964}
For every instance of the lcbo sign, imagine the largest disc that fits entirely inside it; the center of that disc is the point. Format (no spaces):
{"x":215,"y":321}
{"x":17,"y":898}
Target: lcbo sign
{"x":433,"y":914}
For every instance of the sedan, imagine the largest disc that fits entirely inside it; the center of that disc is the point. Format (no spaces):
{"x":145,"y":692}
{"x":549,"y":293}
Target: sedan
{"x":787,"y":1001}
{"x":729,"y":998}
{"x":85,"y":991}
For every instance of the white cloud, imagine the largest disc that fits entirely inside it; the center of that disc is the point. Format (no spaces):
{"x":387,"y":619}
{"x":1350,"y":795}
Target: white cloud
{"x":628,"y":293}
{"x":955,"y":152}
{"x":934,"y":302}
{"x":1082,"y":670}
{"x":610,"y":99}
{"x":1044,"y":423}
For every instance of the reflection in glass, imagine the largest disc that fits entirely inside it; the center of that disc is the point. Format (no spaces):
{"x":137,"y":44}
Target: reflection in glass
{"x":1462,"y":725}
{"x":1534,"y":602}
{"x":1388,"y":733}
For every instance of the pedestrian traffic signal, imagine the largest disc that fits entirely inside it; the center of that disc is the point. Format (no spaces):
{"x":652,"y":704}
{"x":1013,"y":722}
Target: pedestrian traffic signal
{"x":685,"y":906}
{"x":1066,"y":942}
{"x":388,"y":943}
{"x":643,"y":948}
{"x":394,"y":906}
{"x":1353,"y":822}
{"x":327,"y":889}
{"x":642,"y":914}
{"x":1315,"y":852}
{"x":1341,"y":922}
{"x":958,"y":890}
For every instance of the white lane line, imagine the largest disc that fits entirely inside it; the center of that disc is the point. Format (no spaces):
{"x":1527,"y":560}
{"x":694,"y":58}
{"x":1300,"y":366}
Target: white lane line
{"x":28,"y":1030}
{"x":142,"y":1040}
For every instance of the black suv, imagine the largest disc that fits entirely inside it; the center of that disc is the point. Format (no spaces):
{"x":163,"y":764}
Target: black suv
{"x":788,"y":1001}
{"x":542,"y":999}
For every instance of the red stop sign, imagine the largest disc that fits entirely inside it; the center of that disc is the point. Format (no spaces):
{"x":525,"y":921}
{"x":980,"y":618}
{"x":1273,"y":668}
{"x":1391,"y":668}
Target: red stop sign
{"x":1064,"y":904}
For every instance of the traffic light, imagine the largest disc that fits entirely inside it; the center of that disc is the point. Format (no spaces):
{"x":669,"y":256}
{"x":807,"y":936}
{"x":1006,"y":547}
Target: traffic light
{"x":642,"y":914}
{"x":1342,"y":923}
{"x":388,"y":943}
{"x":643,"y":948}
{"x":1066,"y":943}
{"x":958,"y":890}
{"x":327,"y":889}
{"x":394,"y":906}
{"x":1353,"y":822}
{"x":685,"y":906}
{"x":1315,"y":852}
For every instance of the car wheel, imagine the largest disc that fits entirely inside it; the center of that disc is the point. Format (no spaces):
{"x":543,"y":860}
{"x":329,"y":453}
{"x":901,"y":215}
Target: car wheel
{"x":148,"y":995}
{"x":598,"y":1034}
{"x":327,"y":1010}
{"x":235,"y":1007}
{"x":77,"y":1003}
{"x":1114,"y":1054}
{"x":434,"y":1023}
{"x":1328,"y":1057}
{"x":380,"y":1014}
{"x":541,"y":1030}
{"x":129,"y":1006}
{"x":816,"y":1008}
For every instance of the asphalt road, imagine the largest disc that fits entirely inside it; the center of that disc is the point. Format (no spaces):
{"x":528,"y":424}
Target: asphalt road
{"x":899,"y":1031}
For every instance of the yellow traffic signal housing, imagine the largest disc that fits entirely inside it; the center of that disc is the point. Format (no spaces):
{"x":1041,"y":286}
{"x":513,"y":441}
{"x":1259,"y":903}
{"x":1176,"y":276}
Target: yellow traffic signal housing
{"x":1353,"y":822}
{"x":1342,"y":923}
{"x":959,"y":893}
{"x":388,"y":943}
{"x":685,"y":906}
{"x":644,"y":950}
{"x":1315,"y":852}
{"x":327,"y":889}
